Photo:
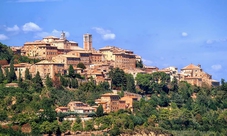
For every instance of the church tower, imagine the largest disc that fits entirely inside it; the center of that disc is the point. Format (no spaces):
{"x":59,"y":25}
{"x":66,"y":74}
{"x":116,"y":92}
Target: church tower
{"x":87,"y":39}
{"x":63,"y":36}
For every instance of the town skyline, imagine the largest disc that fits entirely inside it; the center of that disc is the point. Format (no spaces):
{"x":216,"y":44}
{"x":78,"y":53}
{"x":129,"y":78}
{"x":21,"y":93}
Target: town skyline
{"x":163,"y":33}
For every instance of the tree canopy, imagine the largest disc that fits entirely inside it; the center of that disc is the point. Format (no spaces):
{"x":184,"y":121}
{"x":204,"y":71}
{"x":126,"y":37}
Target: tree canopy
{"x":81,"y":65}
{"x":5,"y":52}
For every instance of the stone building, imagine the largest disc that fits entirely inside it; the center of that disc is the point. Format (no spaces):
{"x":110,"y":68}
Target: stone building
{"x":48,"y":47}
{"x":123,"y":59}
{"x":109,"y":102}
{"x":113,"y":102}
{"x":171,"y":71}
{"x":87,"y":40}
{"x":196,"y":76}
{"x":49,"y":68}
{"x":20,"y":68}
{"x":80,"y":107}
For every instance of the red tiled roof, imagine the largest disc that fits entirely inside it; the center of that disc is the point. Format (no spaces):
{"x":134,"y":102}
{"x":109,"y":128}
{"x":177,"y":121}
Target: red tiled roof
{"x":191,"y":66}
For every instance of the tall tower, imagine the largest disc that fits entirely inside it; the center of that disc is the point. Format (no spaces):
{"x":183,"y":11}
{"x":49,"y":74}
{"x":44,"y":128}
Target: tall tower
{"x":63,"y":36}
{"x":87,"y":39}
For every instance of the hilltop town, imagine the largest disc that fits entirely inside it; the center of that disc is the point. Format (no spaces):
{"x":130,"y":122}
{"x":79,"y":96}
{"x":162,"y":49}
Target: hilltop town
{"x":57,"y":54}
{"x":53,"y":86}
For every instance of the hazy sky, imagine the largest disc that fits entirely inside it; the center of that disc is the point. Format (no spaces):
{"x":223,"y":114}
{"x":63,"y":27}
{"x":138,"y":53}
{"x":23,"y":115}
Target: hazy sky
{"x":163,"y":32}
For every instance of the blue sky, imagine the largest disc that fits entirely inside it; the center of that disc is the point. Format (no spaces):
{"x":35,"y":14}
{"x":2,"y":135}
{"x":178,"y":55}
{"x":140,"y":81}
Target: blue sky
{"x":163,"y":32}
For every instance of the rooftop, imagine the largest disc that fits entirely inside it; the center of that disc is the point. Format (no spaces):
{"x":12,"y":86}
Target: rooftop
{"x":191,"y":66}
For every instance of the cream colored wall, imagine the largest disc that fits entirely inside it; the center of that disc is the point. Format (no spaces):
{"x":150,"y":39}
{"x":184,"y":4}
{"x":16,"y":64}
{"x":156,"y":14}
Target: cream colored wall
{"x":108,"y":55}
{"x":59,"y":45}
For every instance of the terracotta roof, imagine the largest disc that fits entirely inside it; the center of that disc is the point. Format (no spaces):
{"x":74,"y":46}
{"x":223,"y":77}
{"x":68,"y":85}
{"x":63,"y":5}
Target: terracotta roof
{"x":62,"y":108}
{"x":191,"y":66}
{"x":76,"y":48}
{"x":110,"y":94}
{"x":76,"y":102}
{"x":106,"y":47}
{"x":48,"y":62}
{"x":192,"y":78}
{"x":83,"y":108}
{"x":3,"y":62}
{"x":50,"y":37}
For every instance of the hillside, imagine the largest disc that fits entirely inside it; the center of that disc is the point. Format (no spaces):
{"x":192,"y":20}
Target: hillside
{"x":168,"y":107}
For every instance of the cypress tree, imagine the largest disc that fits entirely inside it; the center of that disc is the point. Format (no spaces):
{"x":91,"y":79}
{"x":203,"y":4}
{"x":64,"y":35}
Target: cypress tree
{"x":1,"y":75}
{"x":70,"y":83}
{"x":49,"y":82}
{"x":7,"y":75}
{"x":71,"y":71}
{"x":99,"y":111}
{"x":38,"y":80}
{"x":12,"y":73}
{"x":27,"y":74}
{"x":74,"y":83}
{"x":20,"y":79}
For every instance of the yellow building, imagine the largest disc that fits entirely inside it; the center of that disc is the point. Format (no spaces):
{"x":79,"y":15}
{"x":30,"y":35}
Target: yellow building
{"x":123,"y":59}
{"x":196,"y":76}
{"x":48,"y":47}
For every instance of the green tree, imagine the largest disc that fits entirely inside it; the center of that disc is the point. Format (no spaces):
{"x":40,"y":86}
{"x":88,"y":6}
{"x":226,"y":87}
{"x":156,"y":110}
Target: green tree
{"x":38,"y":79}
{"x":71,"y":71}
{"x":37,"y":82}
{"x":20,"y":80}
{"x":77,"y":127}
{"x":5,"y":52}
{"x":115,"y":131}
{"x":65,"y":125}
{"x":7,"y":75}
{"x":27,"y":74}
{"x":81,"y":65}
{"x":45,"y":127}
{"x":118,"y":79}
{"x":99,"y":111}
{"x":89,"y":125}
{"x":63,"y":81}
{"x":130,"y":85}
{"x":54,"y":126}
{"x":49,"y":82}
{"x":144,"y":82}
{"x":139,"y":64}
{"x":3,"y":115}
{"x":74,"y":83}
{"x":12,"y":71}
{"x":1,"y":75}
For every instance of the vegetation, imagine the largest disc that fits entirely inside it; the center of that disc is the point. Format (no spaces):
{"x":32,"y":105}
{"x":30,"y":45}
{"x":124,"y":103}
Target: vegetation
{"x":5,"y":53}
{"x":81,"y":65}
{"x":139,"y":64}
{"x":169,"y":107}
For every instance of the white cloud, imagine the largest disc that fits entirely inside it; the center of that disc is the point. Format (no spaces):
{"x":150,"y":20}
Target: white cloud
{"x":14,"y":28}
{"x":209,"y":41}
{"x":106,"y":34}
{"x":53,"y":33}
{"x":147,"y":62}
{"x":216,"y":67}
{"x":184,"y":34}
{"x":3,"y":37}
{"x":31,"y":27}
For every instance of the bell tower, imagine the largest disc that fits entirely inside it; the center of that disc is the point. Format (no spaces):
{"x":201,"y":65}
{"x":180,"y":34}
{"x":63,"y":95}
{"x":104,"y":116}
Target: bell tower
{"x":63,"y":36}
{"x":87,"y":40}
